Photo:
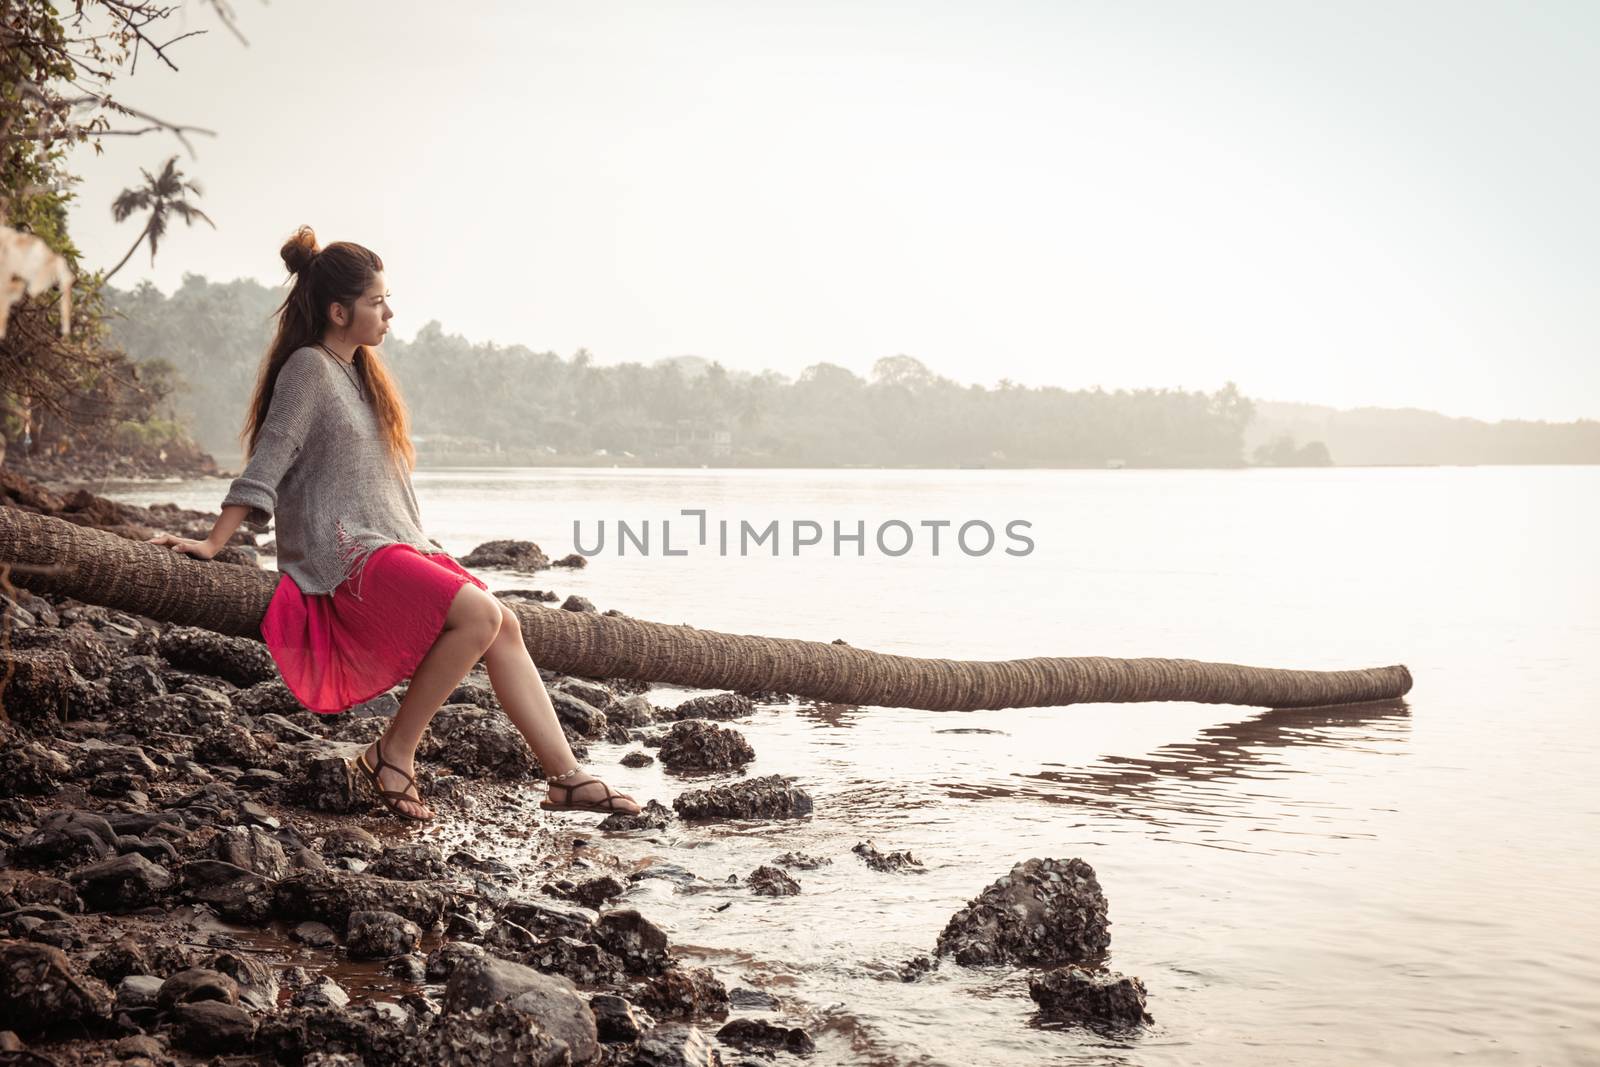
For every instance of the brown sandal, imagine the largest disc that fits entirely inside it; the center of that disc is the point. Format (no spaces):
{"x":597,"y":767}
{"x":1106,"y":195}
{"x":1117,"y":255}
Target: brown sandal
{"x":387,"y":796}
{"x":606,"y":805}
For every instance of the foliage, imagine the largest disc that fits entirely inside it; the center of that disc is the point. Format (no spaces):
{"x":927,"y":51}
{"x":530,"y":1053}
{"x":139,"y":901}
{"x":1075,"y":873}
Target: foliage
{"x":57,"y":71}
{"x":1282,"y":451}
{"x":495,"y":403}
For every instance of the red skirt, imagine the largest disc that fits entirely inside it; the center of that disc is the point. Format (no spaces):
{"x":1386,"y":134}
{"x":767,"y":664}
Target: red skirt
{"x":336,"y":650}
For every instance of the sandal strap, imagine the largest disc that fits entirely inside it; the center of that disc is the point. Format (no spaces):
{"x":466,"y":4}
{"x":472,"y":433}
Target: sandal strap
{"x":382,"y":763}
{"x":609,"y":800}
{"x":377,"y":776}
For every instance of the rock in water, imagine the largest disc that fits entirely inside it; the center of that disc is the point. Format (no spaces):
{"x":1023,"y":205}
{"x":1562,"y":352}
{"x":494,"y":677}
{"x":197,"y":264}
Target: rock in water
{"x":1044,"y":913}
{"x":1072,"y":994}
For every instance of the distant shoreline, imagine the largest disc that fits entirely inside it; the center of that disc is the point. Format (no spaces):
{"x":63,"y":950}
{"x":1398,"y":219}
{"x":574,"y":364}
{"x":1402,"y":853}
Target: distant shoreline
{"x":599,"y":464}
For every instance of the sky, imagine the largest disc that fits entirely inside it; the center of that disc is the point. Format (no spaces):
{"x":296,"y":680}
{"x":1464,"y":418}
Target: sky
{"x":1348,"y":204}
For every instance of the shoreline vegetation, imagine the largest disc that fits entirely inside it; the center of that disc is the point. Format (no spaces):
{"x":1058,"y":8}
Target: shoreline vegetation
{"x":201,"y":345}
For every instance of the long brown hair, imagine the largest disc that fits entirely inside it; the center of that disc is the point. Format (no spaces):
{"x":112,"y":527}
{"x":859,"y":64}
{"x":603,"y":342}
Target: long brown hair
{"x":338,"y":274}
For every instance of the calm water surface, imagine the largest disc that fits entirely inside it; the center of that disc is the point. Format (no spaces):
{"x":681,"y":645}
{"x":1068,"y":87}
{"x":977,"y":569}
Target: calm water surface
{"x":1400,"y":884}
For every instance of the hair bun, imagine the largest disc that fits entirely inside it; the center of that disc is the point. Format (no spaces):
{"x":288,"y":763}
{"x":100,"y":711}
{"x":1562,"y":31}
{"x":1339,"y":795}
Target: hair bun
{"x":299,"y":250}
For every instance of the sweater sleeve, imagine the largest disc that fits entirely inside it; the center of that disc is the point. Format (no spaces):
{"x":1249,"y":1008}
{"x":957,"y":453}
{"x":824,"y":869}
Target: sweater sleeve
{"x":291,"y":414}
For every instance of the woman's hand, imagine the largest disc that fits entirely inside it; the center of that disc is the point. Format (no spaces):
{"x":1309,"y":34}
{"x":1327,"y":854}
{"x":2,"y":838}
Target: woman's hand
{"x":198,"y":549}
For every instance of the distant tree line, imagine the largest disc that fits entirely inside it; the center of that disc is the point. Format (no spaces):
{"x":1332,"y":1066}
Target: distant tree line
{"x":485,"y":402}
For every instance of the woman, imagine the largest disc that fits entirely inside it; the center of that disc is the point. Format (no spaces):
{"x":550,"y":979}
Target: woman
{"x":365,"y":599}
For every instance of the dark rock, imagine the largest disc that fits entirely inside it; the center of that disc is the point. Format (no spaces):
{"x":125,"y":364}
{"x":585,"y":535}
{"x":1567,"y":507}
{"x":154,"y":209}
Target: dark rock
{"x":139,"y":1046}
{"x":771,"y":882}
{"x":474,"y":691}
{"x":582,"y":962}
{"x":26,"y":887}
{"x":684,"y":993}
{"x":408,"y":968}
{"x":28,"y":768}
{"x":638,"y":942}
{"x":758,"y":1034}
{"x":653,"y":816}
{"x":96,"y":757}
{"x":1071,"y":994}
{"x":284,"y":730}
{"x":577,"y":714}
{"x":375,"y":935}
{"x":475,"y":742}
{"x":550,"y":999}
{"x":596,"y":891}
{"x":771,"y":796}
{"x":505,"y":938}
{"x":198,"y":983}
{"x":886,"y":861}
{"x":85,"y":649}
{"x":614,"y":1019}
{"x":269,"y":697}
{"x":115,"y":962}
{"x":915,"y":968}
{"x":675,"y":1047}
{"x":443,"y":961}
{"x":330,"y":897}
{"x":324,"y":992}
{"x":257,"y":980}
{"x":714,"y":706}
{"x":249,"y":900}
{"x":253,"y":849}
{"x":203,"y":873}
{"x":546,"y":920}
{"x":633,"y":711}
{"x":41,"y":687}
{"x":40,"y":988}
{"x":697,"y":745}
{"x":515,"y":555}
{"x":341,"y":841}
{"x":329,"y":783}
{"x":240,"y":660}
{"x":372,"y":1035}
{"x":636,"y":759}
{"x":580,"y":604}
{"x":138,"y":991}
{"x":122,"y":883}
{"x":411,"y":861}
{"x":802,"y":861}
{"x":212,"y":1026}
{"x":315,"y":934}
{"x":167,"y":960}
{"x":231,"y":744}
{"x":1043,"y":913}
{"x":136,"y":679}
{"x":502,"y":1035}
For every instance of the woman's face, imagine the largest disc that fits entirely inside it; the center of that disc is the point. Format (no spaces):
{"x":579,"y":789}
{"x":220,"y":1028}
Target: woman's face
{"x":367,"y":320}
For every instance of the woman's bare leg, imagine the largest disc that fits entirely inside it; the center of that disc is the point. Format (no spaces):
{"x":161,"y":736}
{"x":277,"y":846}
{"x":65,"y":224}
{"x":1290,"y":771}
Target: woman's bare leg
{"x":526,"y":702}
{"x":469,"y":629}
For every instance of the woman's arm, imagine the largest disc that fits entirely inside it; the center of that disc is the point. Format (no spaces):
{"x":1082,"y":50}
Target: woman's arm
{"x":221,"y":532}
{"x":290,"y":418}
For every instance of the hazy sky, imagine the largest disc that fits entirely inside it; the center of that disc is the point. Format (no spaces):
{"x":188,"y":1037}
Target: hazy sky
{"x":1352,"y":203}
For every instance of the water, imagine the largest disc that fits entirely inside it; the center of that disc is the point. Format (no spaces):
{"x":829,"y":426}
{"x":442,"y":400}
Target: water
{"x":1402,"y":883}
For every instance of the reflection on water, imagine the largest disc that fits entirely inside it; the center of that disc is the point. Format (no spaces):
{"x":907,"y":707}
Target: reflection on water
{"x":1184,"y":780}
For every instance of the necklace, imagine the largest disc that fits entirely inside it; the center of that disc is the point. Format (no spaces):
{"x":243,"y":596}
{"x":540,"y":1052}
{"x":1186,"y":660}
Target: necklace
{"x":355,"y":378}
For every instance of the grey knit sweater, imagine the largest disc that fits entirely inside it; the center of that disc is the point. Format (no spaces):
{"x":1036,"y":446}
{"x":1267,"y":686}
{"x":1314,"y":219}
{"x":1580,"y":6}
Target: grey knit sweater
{"x":321,"y":466}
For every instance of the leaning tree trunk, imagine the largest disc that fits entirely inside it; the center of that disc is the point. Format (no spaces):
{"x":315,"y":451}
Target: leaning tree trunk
{"x":143,"y":579}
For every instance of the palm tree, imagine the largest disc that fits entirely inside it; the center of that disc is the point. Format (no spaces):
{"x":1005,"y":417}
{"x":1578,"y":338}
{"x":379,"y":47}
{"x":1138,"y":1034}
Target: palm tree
{"x":158,"y":195}
{"x":55,"y":556}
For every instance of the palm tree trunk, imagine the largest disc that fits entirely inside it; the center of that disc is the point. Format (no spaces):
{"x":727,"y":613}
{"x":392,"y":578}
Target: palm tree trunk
{"x":101,"y":568}
{"x":137,"y":242}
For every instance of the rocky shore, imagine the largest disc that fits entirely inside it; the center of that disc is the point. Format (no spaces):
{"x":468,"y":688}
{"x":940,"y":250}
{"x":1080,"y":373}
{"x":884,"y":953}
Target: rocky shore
{"x":190,"y":872}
